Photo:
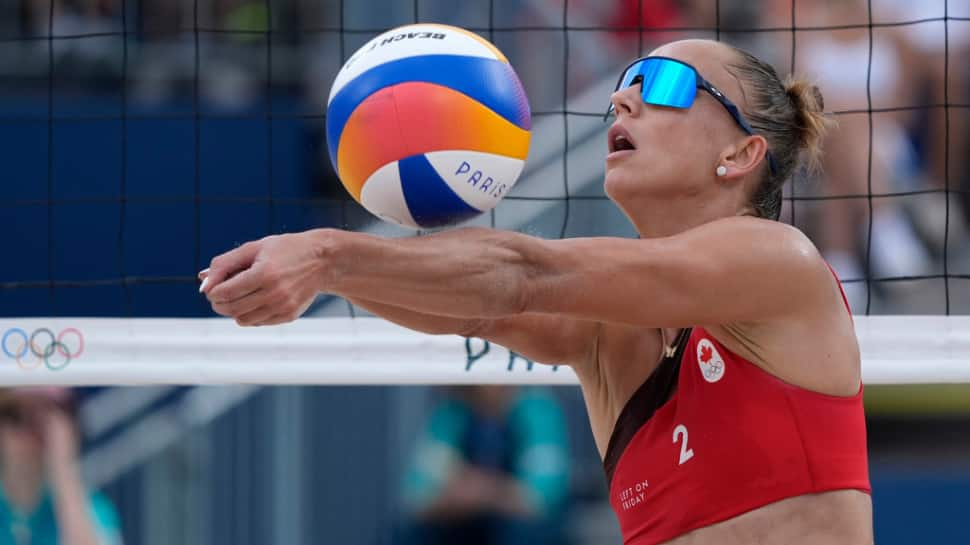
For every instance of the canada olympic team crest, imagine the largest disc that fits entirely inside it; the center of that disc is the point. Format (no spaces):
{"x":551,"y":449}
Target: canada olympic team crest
{"x":710,"y":362}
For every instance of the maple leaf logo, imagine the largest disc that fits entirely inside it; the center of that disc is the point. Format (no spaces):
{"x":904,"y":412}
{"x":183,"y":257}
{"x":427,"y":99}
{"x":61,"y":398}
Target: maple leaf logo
{"x":709,"y":361}
{"x":707,"y":352}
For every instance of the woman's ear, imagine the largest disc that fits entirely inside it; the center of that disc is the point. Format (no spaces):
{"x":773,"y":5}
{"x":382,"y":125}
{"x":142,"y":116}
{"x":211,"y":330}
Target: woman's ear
{"x":743,"y":157}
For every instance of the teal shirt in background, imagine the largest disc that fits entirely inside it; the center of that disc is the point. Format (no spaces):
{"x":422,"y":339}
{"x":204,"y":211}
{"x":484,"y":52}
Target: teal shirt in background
{"x":536,"y":451}
{"x":40,"y":527}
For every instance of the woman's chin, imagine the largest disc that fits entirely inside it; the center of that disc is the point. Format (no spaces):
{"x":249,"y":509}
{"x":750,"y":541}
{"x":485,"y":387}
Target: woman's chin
{"x":617,"y":183}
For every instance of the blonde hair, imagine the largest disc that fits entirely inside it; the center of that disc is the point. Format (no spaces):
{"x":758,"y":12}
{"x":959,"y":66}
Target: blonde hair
{"x":790,"y":115}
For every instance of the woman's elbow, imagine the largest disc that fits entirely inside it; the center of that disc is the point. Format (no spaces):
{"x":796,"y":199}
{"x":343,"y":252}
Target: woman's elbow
{"x":514,"y":282}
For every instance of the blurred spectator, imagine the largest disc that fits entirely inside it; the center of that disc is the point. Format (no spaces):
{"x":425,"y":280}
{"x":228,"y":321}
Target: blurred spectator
{"x":936,"y":80}
{"x":247,"y":19}
{"x":490,"y":468}
{"x":42,"y":498}
{"x":839,"y":60}
{"x":73,"y":17}
{"x":634,"y":16}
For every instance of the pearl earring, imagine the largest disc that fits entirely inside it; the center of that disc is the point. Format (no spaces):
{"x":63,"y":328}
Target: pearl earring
{"x":721,"y":170}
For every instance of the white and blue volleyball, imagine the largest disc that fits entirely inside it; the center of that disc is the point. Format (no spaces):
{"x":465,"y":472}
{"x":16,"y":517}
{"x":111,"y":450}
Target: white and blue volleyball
{"x":428,"y":125}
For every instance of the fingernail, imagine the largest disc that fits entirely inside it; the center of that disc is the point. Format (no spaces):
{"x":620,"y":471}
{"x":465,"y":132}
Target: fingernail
{"x":204,"y":271}
{"x":204,"y":282}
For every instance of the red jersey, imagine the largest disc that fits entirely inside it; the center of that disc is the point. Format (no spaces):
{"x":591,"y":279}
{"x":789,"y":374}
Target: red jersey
{"x":729,"y":439}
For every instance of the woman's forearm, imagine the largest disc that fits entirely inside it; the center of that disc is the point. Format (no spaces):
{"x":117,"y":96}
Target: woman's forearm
{"x":471,"y":273}
{"x":418,"y":321}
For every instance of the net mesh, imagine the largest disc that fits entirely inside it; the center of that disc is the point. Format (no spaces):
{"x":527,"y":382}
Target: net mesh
{"x":143,"y":138}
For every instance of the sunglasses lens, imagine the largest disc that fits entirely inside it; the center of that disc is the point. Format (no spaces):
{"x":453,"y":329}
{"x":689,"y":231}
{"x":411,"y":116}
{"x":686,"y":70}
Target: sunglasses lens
{"x":631,"y":73}
{"x":668,"y":83}
{"x":664,"y":82}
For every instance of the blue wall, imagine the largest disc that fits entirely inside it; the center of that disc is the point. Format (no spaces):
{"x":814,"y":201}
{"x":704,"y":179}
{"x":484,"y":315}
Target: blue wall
{"x":77,"y":237}
{"x":919,"y":504}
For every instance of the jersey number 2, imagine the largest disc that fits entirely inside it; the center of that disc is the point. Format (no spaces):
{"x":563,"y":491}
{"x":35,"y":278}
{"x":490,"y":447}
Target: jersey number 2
{"x":685,"y":453}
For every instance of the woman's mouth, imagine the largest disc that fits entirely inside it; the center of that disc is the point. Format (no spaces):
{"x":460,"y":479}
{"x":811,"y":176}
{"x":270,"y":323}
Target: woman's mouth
{"x":619,"y":142}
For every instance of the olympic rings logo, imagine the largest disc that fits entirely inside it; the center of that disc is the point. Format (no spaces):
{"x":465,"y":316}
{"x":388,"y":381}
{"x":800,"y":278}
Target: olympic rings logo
{"x":42,"y":346}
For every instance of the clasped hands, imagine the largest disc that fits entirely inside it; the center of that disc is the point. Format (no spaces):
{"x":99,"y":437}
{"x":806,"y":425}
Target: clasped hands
{"x":268,"y":281}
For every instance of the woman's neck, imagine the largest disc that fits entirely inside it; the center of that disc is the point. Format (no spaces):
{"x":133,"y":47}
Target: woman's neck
{"x":22,"y":484}
{"x":664,"y":216}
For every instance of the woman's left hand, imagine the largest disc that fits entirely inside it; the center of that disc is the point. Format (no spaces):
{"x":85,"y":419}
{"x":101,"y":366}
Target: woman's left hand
{"x":269,"y":281}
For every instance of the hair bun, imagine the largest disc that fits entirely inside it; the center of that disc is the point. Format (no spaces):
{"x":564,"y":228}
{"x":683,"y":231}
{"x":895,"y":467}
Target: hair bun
{"x":810,"y":121}
{"x":805,"y":96}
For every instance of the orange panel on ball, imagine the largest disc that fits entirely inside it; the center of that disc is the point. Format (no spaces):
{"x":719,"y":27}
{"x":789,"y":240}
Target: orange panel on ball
{"x":417,"y":117}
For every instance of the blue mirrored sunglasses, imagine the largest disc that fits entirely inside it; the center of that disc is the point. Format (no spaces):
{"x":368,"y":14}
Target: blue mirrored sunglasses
{"x":674,"y":84}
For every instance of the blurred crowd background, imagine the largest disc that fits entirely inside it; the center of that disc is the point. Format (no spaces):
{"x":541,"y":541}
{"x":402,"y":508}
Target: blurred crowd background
{"x":225,"y":100}
{"x":141,"y":138}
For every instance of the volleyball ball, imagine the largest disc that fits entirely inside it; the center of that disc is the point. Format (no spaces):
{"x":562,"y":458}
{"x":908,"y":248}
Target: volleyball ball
{"x":428,"y":125}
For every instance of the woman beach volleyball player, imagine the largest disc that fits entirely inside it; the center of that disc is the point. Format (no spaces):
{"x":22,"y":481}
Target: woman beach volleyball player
{"x":716,"y":354}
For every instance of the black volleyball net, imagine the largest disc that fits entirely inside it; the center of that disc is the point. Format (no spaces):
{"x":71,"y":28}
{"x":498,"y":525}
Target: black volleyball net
{"x":141,"y":138}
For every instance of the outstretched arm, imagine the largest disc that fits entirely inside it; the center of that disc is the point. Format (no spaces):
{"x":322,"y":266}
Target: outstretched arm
{"x":425,"y":323}
{"x":730,"y":270}
{"x":541,"y":338}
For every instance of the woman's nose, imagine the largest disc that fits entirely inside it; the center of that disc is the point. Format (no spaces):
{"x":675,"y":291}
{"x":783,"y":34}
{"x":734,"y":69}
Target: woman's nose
{"x":626,"y":100}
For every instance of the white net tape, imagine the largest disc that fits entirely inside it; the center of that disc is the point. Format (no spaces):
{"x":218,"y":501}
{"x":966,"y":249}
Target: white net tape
{"x":109,"y":351}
